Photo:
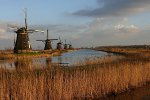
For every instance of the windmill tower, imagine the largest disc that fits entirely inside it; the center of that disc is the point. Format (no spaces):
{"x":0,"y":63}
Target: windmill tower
{"x":59,"y":44}
{"x":21,"y":44}
{"x":22,"y":41}
{"x":70,"y":46}
{"x":47,"y":42}
{"x":65,"y":46}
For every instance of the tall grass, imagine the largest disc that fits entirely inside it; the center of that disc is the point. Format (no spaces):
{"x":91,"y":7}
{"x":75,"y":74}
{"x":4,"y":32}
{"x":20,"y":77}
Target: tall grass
{"x":9,"y":55}
{"x":89,"y":81}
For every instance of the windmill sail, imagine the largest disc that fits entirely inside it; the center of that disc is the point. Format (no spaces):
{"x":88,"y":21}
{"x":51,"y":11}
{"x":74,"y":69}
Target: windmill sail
{"x":25,"y":15}
{"x":22,"y":44}
{"x":48,"y":45}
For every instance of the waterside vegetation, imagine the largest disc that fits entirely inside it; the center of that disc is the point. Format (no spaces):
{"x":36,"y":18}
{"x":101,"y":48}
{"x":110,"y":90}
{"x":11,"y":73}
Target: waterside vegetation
{"x":93,"y":79}
{"x":8,"y":55}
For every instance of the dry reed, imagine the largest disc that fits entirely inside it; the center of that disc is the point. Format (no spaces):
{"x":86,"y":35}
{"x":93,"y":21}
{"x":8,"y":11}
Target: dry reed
{"x":90,"y":81}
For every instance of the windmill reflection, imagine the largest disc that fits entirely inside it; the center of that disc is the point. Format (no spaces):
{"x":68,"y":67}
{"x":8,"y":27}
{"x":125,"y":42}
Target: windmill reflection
{"x":23,"y":64}
{"x":49,"y":62}
{"x":61,"y":62}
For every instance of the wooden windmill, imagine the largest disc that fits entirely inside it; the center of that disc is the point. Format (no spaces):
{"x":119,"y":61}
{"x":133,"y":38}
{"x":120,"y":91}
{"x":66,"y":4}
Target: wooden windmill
{"x":65,"y":46}
{"x":47,"y":42}
{"x":70,"y":46}
{"x":59,"y":45}
{"x":21,"y":44}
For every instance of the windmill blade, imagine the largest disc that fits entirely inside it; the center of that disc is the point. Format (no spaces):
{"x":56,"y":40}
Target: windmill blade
{"x":25,"y":18}
{"x":53,"y":39}
{"x":40,"y":40}
{"x":60,"y":40}
{"x":32,"y":31}
{"x":12,"y":26}
{"x":39,"y":31}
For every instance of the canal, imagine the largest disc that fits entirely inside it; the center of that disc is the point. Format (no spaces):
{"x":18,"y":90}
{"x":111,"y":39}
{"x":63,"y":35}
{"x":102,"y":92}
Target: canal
{"x":68,"y":58}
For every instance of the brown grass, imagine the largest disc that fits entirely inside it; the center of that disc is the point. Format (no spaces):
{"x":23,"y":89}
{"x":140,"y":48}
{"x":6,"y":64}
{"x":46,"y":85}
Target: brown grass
{"x":10,"y":56}
{"x":89,"y":81}
{"x":126,"y":50}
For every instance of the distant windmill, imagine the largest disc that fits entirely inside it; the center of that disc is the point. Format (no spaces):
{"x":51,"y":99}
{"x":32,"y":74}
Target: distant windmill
{"x":47,"y":42}
{"x":59,"y":44}
{"x":65,"y":45}
{"x":21,"y":43}
{"x":70,"y":46}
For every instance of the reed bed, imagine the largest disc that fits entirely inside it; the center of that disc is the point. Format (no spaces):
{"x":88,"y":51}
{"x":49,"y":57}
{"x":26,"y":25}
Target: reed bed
{"x":90,"y":81}
{"x":9,"y":55}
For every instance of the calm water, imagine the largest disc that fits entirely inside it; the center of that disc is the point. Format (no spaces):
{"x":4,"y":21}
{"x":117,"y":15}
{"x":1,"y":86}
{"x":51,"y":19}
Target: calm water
{"x":78,"y":56}
{"x":69,"y":58}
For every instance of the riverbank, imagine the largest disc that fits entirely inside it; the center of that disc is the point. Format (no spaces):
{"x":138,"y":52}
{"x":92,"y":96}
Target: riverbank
{"x":142,"y":50}
{"x":8,"y":55}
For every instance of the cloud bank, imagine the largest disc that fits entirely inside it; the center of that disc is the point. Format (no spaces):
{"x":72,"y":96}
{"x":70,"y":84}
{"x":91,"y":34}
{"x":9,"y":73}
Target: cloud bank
{"x":113,"y":8}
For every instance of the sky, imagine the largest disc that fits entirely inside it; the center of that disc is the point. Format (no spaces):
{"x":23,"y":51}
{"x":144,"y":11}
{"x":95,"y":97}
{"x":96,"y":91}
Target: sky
{"x":84,"y":23}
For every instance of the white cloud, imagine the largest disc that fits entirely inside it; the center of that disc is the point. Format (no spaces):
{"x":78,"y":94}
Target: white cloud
{"x":126,"y":28}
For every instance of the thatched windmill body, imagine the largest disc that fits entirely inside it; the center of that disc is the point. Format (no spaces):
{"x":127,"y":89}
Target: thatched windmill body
{"x":65,"y":45}
{"x":22,"y":41}
{"x":59,"y":45}
{"x":47,"y":42}
{"x":70,"y":46}
{"x":21,"y":44}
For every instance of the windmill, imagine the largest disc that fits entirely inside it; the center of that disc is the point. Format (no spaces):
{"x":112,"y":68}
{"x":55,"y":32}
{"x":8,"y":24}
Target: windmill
{"x":70,"y":46}
{"x":21,"y":42}
{"x":65,"y":45}
{"x":59,"y":44}
{"x":47,"y":42}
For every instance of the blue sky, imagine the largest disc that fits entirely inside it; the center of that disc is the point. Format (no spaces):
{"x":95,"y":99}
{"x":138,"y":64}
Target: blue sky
{"x":43,"y":11}
{"x":83,"y":22}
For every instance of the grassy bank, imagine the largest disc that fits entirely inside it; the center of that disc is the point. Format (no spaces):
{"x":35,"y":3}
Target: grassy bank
{"x":141,"y":50}
{"x":90,"y":80}
{"x":8,"y":55}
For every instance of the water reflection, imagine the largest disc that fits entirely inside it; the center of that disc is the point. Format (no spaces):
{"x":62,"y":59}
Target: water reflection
{"x":49,"y":62}
{"x":66,"y":59}
{"x":23,"y":64}
{"x":78,"y":56}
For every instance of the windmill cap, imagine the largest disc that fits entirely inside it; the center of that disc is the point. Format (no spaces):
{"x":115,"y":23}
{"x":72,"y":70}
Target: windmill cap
{"x":21,"y":30}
